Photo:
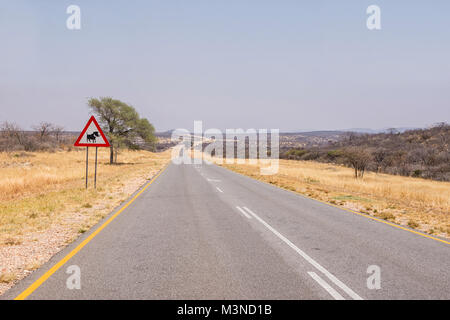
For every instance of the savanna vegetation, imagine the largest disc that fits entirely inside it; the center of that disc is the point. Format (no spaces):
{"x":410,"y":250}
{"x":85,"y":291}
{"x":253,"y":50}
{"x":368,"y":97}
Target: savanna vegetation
{"x":46,"y":136}
{"x":422,"y":153}
{"x":121,"y":123}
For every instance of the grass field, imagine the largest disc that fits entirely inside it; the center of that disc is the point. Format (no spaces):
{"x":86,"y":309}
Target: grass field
{"x":44,"y":204}
{"x":413,"y":202}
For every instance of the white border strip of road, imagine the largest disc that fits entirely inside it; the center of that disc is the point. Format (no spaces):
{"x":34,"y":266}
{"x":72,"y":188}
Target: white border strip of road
{"x":335,"y":280}
{"x":243,"y":212}
{"x":326,"y":286}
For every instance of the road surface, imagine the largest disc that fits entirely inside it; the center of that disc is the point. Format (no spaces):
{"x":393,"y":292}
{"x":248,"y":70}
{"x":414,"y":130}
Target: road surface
{"x":203,"y":232}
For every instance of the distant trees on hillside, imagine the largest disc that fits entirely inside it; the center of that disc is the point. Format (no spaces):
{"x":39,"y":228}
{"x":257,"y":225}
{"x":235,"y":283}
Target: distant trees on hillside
{"x":419,"y":153}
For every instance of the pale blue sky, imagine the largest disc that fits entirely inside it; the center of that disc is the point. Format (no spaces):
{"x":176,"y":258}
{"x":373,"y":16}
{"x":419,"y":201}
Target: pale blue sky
{"x":253,"y":64}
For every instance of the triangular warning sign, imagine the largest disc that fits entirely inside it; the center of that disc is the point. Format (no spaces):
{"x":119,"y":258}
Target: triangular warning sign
{"x":92,"y":136}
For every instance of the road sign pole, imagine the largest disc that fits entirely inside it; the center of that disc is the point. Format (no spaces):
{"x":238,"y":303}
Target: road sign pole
{"x":92,"y":136}
{"x":95,"y":177}
{"x":87,"y":164}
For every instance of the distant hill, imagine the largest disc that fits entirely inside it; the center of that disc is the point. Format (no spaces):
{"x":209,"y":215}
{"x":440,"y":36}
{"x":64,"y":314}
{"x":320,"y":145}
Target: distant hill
{"x":309,"y":139}
{"x":164,"y":134}
{"x":357,"y":130}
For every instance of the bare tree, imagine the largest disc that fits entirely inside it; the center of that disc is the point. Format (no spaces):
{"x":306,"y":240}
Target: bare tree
{"x":43,"y":129}
{"x":57,"y":132}
{"x":358,"y":159}
{"x":350,"y":137}
{"x":379,"y":156}
{"x":12,"y":132}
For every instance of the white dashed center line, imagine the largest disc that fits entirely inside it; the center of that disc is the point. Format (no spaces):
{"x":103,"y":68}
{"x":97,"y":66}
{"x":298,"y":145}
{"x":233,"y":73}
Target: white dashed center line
{"x":244,"y":213}
{"x":330,"y":276}
{"x":326,"y":286}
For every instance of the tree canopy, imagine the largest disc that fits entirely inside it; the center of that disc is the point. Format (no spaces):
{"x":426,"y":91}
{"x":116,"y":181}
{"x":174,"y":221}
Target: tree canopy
{"x":122,"y":124}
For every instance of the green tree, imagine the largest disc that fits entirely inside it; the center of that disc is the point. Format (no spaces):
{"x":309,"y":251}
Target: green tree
{"x":122,"y":125}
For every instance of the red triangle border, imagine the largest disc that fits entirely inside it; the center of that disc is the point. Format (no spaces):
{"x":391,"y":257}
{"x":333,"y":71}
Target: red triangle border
{"x":78,"y":144}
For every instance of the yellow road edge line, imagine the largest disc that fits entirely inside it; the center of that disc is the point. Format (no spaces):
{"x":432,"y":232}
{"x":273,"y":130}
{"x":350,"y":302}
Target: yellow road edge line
{"x":349,"y":210}
{"x":63,"y":261}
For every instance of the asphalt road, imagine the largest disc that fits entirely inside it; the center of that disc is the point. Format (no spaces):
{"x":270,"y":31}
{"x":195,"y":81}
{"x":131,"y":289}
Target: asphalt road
{"x":203,"y":232}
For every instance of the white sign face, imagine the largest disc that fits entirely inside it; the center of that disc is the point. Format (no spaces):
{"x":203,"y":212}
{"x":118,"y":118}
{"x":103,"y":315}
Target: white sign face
{"x":92,"y":135}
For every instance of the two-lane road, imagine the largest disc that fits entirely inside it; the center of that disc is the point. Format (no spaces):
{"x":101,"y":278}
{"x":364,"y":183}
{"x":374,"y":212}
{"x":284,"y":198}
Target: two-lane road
{"x":203,"y":232}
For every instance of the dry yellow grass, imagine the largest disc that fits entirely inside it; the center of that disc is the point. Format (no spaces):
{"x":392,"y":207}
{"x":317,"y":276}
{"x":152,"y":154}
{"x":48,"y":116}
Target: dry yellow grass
{"x":36,"y":187}
{"x":44,"y":204}
{"x":7,"y":277}
{"x":417,"y":203}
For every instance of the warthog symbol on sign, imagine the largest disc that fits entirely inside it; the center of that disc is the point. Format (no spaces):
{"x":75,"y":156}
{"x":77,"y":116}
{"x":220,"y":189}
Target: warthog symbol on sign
{"x":93,"y":137}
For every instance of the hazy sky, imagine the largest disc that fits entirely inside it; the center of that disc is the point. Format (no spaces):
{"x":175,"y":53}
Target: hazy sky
{"x":232,"y":63}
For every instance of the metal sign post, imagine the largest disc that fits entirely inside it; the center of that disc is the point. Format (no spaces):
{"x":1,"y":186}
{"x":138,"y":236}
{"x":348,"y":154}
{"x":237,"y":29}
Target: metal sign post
{"x":95,"y":177}
{"x":92,"y":136}
{"x":87,"y":165}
